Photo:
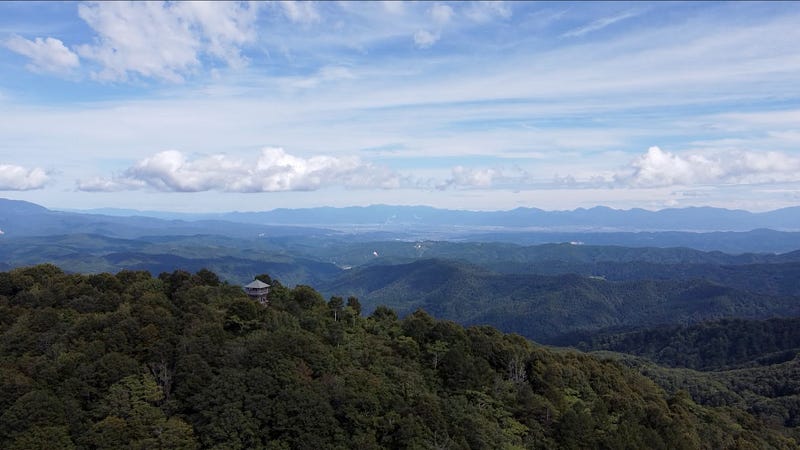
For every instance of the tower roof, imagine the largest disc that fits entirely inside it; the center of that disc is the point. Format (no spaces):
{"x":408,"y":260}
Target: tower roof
{"x":257,"y":284}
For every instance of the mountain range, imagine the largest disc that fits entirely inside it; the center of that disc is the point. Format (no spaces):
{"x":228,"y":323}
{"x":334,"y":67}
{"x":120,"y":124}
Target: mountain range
{"x":731,"y":231}
{"x":599,"y":218}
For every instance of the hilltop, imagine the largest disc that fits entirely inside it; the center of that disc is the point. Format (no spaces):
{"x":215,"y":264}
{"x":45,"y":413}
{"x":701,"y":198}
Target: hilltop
{"x":184,"y":361}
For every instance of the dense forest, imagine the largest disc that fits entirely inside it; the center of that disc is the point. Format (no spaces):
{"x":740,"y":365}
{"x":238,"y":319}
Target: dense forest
{"x":713,"y":345}
{"x":549,"y":309}
{"x":183,"y":360}
{"x":747,"y":364}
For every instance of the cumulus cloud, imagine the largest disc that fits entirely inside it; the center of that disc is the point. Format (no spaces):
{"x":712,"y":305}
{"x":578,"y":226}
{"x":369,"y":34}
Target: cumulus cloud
{"x":463,"y":177}
{"x":46,"y":55}
{"x":164,"y":40}
{"x":17,"y":178}
{"x":441,"y":13}
{"x":658,"y":168}
{"x":273,"y":171}
{"x":300,"y":11}
{"x":425,"y":39}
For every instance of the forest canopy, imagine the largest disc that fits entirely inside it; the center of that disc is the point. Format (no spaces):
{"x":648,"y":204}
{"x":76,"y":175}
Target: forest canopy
{"x":186,"y":361}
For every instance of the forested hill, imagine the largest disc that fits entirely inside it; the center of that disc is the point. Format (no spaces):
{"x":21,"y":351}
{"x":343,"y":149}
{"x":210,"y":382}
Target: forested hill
{"x":713,"y":345}
{"x":183,"y":361}
{"x":544,"y":308}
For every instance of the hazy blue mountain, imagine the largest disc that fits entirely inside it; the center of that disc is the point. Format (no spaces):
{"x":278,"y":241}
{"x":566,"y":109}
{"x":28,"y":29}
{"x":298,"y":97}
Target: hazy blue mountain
{"x":599,"y":218}
{"x":12,"y":207}
{"x":18,"y":218}
{"x":527,"y":226}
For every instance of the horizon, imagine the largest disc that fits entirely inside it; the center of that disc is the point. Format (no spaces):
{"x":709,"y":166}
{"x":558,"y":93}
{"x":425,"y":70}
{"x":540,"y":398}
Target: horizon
{"x":99,"y":210}
{"x":580,"y":208}
{"x":453,"y":105}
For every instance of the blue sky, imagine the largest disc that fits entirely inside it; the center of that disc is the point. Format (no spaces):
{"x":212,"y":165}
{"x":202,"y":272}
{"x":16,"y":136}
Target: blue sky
{"x":487,"y":105}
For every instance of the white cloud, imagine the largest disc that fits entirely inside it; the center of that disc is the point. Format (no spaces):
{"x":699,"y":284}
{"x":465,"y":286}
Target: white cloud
{"x":164,"y":40}
{"x":425,"y":39}
{"x":325,"y":74}
{"x":273,"y":171}
{"x":489,"y":10}
{"x":441,"y":13}
{"x":463,"y":177}
{"x":300,"y":11}
{"x":17,"y":178}
{"x":599,"y":24}
{"x":147,"y":38}
{"x":46,"y":55}
{"x":99,"y":184}
{"x":658,"y":168}
{"x":225,"y":26}
{"x":393,"y":6}
{"x":568,"y":99}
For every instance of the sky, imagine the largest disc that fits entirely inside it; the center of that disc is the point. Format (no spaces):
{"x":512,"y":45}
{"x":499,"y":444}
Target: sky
{"x":203,"y":107}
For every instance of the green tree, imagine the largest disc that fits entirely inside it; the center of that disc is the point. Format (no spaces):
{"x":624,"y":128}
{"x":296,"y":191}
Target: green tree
{"x":336,"y":304}
{"x":354,"y":304}
{"x":133,"y":418}
{"x":43,"y":438}
{"x":207,"y":277}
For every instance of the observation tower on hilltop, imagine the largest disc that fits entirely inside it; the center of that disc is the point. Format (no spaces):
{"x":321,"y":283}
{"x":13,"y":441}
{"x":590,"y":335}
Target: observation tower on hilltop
{"x":259,"y":291}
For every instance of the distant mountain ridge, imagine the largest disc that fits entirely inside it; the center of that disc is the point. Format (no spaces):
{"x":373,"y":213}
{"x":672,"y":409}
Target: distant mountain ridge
{"x":523,"y":226}
{"x":20,"y":218}
{"x":598,"y":218}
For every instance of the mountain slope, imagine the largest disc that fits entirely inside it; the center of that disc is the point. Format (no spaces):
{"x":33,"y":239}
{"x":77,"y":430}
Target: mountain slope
{"x":234,"y":260}
{"x":543,"y":308}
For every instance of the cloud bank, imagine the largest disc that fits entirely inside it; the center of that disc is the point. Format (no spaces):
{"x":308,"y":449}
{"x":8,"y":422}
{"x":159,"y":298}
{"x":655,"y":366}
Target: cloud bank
{"x":659,"y":168}
{"x":656,"y":168}
{"x":273,"y":171}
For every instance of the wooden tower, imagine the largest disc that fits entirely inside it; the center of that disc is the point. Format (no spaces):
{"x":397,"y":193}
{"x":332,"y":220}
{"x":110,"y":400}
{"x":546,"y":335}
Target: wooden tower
{"x":259,"y":291}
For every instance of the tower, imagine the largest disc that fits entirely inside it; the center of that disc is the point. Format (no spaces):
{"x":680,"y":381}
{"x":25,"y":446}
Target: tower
{"x":259,"y":291}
